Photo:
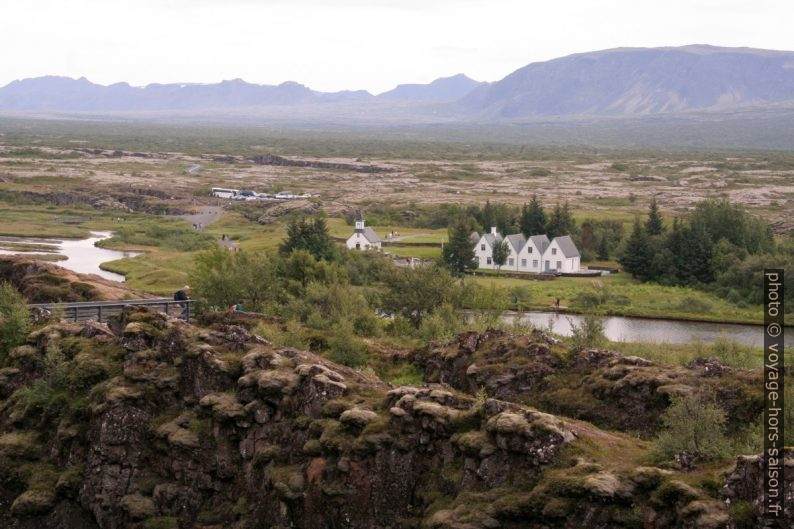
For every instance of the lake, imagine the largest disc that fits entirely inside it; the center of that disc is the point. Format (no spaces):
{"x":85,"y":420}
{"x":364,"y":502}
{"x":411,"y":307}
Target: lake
{"x":82,"y":255}
{"x":627,"y":329}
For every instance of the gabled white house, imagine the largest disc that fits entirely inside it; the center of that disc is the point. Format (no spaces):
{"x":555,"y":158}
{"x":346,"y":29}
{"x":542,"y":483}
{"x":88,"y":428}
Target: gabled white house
{"x":536,"y":254}
{"x":483,"y":251}
{"x":530,"y":258}
{"x":561,"y":255}
{"x":363,"y":238}
{"x":515,"y":243}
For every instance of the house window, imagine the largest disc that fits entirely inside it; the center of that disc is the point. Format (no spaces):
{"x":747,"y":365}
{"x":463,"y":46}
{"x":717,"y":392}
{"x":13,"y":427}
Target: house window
{"x":358,"y":246}
{"x":488,"y":260}
{"x":510,"y":261}
{"x":559,"y":265}
{"x":477,"y":259}
{"x":482,"y":247}
{"x":534,"y":263}
{"x":529,"y":250}
{"x":554,"y":251}
{"x":524,"y":263}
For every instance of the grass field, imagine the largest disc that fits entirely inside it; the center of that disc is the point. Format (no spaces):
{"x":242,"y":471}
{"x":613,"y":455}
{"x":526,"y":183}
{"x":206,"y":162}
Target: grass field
{"x":642,"y":299}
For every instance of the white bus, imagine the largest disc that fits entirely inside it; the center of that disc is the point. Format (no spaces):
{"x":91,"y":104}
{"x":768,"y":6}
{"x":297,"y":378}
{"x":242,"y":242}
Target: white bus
{"x":222,"y":192}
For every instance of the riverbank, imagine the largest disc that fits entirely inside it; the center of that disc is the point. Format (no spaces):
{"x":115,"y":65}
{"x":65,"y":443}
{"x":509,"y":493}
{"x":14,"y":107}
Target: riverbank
{"x":621,"y":295}
{"x":648,"y":330}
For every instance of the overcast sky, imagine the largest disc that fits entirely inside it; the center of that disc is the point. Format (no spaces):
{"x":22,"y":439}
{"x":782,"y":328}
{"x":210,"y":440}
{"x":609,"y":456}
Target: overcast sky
{"x":353,"y":44}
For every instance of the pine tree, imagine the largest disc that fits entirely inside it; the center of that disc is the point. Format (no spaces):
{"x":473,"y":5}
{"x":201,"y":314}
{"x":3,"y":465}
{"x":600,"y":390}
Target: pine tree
{"x":458,"y":255}
{"x":654,"y":225}
{"x":533,"y":218}
{"x":637,"y":258}
{"x":488,"y":216}
{"x":311,"y":236}
{"x":561,"y":221}
{"x":698,"y":254}
{"x":603,"y":248}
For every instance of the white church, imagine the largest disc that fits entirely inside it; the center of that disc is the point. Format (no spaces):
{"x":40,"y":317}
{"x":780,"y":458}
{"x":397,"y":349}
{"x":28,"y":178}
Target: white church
{"x":363,"y":238}
{"x":533,"y":254}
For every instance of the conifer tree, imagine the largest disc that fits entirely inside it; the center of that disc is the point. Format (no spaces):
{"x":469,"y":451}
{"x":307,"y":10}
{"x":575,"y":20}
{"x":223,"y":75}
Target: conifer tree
{"x":603,"y":248}
{"x":637,"y":258}
{"x":533,"y":218}
{"x":458,"y":255}
{"x":561,"y":221}
{"x":654,"y":225}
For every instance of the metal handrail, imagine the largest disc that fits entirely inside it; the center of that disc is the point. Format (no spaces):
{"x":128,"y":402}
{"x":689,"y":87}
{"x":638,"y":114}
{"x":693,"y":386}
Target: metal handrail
{"x":74,"y":307}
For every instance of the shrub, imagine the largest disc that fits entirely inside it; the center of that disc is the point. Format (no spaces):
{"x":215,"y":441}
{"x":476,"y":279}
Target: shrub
{"x":734,"y":354}
{"x":590,"y":333}
{"x":695,"y":424}
{"x":443,"y":324}
{"x":14,"y":319}
{"x":690,"y":304}
{"x":346,"y":349}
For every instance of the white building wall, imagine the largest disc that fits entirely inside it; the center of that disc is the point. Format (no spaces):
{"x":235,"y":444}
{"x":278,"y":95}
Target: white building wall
{"x":526,"y":261}
{"x":484,"y":252}
{"x":533,"y":259}
{"x":362,"y":242}
{"x":553,"y":259}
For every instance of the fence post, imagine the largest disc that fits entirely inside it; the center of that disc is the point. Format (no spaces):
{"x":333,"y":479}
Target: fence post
{"x":99,"y":313}
{"x":187,"y":311}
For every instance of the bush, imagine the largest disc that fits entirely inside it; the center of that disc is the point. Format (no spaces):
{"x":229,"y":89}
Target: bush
{"x":694,"y":424}
{"x":734,"y":354}
{"x":443,"y":324}
{"x":14,"y":319}
{"x":222,"y":278}
{"x":590,"y":333}
{"x":690,"y":304}
{"x":587,"y":299}
{"x":346,"y":349}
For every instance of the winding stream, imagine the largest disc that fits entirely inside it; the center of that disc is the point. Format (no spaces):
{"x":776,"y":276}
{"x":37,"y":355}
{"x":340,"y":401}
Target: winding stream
{"x":82,"y":255}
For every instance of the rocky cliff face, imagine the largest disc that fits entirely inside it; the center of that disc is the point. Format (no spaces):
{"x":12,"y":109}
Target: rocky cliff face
{"x":604,"y":387}
{"x":155,"y":423}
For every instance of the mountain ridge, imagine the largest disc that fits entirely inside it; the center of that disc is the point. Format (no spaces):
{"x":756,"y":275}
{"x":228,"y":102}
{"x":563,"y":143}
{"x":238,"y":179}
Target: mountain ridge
{"x":624,"y":81}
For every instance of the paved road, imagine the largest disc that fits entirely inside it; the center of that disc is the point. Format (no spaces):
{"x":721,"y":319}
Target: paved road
{"x":206,"y":215}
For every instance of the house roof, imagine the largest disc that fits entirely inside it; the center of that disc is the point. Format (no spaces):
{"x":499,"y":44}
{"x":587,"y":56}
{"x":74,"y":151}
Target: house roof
{"x":474,"y":237}
{"x":541,"y":242}
{"x":370,"y":235}
{"x":491,"y":238}
{"x":517,"y":241}
{"x":567,"y":247}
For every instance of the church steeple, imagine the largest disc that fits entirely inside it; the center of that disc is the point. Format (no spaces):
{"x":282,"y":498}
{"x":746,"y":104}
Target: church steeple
{"x":359,"y":220}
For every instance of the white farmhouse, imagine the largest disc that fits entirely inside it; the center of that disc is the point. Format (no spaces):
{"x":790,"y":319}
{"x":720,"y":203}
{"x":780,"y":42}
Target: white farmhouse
{"x":561,"y":255}
{"x":515,"y":243}
{"x":363,"y":238}
{"x":483,"y":251}
{"x":530,"y":258}
{"x":535,"y":254}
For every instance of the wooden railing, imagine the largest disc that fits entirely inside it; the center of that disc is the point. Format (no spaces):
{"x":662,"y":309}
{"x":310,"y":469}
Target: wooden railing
{"x":102,"y":310}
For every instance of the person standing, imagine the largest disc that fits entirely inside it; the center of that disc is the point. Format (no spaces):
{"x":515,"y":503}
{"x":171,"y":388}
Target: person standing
{"x":183,"y":294}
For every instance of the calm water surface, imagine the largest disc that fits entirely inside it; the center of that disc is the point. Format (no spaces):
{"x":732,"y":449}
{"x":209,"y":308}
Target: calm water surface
{"x":627,"y":329}
{"x":82,"y":255}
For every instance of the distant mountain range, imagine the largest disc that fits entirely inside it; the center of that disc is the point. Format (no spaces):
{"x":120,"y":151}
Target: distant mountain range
{"x":617,"y":82}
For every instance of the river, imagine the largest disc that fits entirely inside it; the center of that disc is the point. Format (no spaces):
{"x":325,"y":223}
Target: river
{"x":627,"y":329}
{"x":82,"y":255}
